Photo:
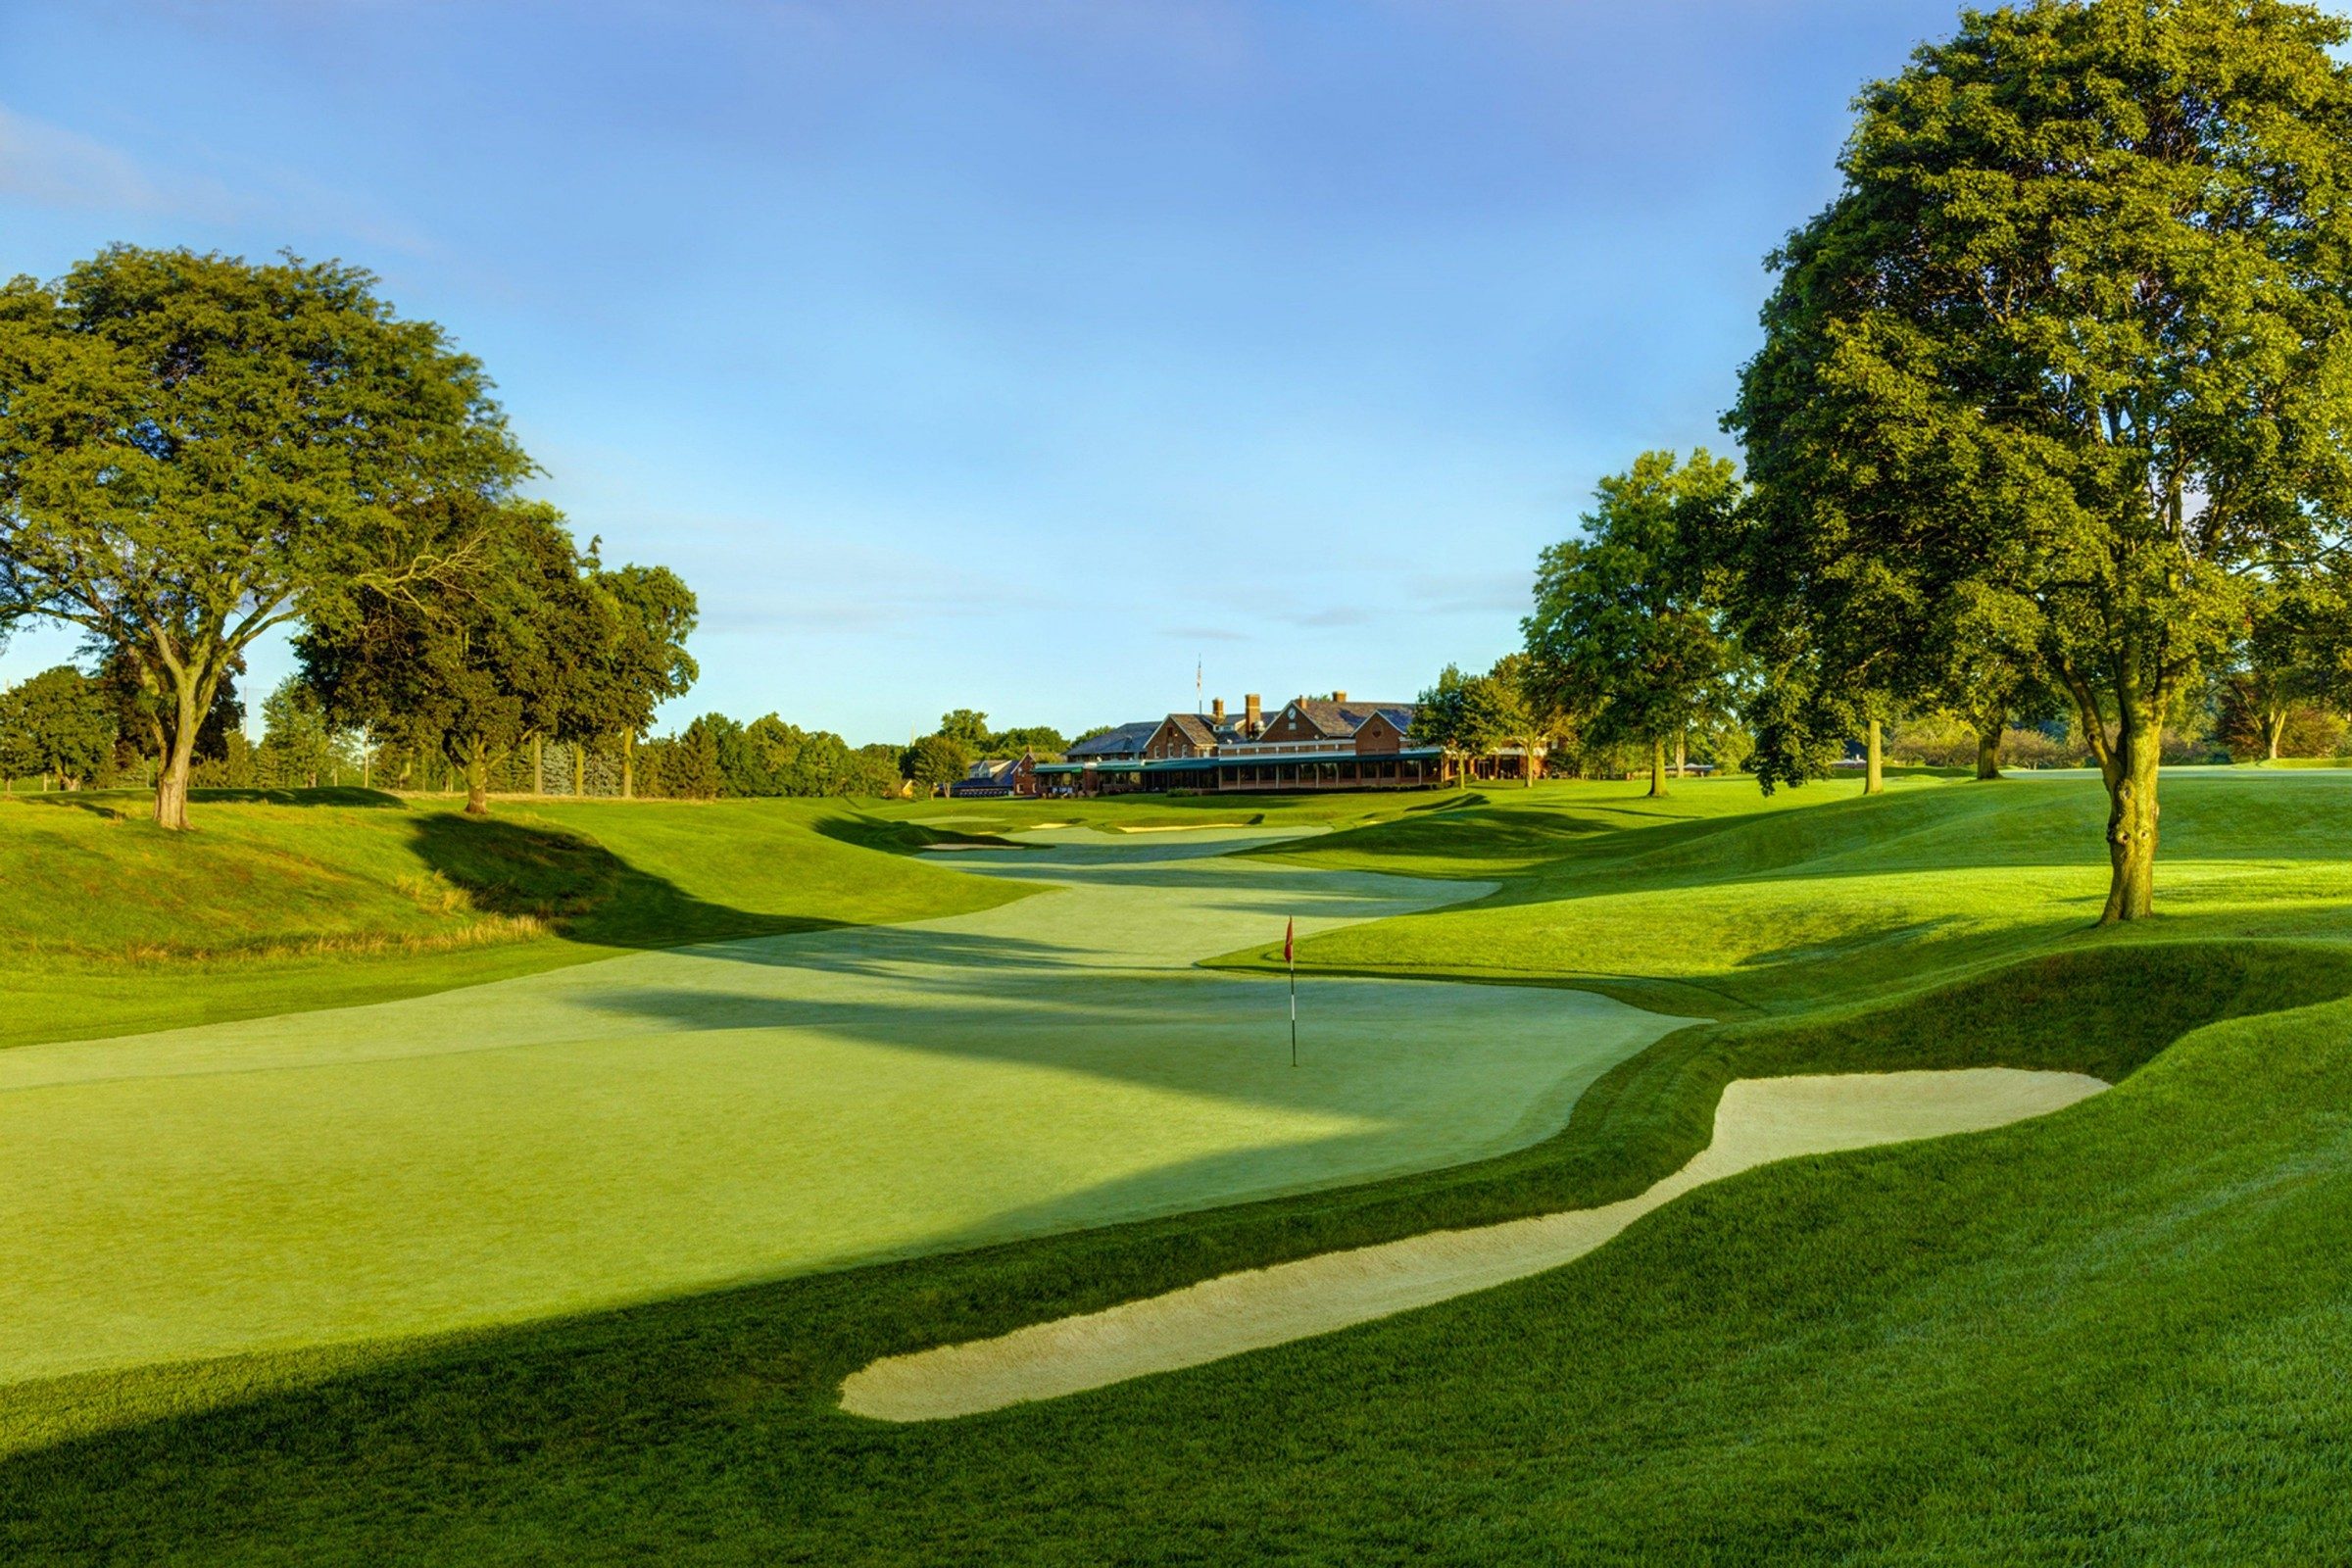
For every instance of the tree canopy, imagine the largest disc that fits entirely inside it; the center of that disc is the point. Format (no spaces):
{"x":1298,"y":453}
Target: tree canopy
{"x":938,"y":760}
{"x":477,"y":667}
{"x":56,"y":724}
{"x":1623,"y":634}
{"x":195,"y":448}
{"x":2074,"y":341}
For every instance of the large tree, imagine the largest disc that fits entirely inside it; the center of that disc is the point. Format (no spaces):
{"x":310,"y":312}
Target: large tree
{"x":474,"y":669}
{"x":2074,"y":338}
{"x":1625,"y":633}
{"x":195,"y":448}
{"x":141,"y":709}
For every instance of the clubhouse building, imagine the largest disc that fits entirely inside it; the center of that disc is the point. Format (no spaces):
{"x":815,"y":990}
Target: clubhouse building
{"x":1311,"y":743}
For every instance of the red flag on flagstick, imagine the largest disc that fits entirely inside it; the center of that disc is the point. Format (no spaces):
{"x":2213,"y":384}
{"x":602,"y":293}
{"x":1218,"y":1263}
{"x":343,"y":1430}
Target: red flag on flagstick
{"x":1289,"y":929}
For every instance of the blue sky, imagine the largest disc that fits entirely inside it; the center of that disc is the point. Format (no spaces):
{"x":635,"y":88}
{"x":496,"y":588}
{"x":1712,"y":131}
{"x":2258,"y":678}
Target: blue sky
{"x":1007,"y":356}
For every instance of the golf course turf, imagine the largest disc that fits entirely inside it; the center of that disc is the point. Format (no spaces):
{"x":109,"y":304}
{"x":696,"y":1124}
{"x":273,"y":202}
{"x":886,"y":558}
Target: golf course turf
{"x":1759,"y":1120}
{"x":673,"y":1121}
{"x":2116,"y":1335}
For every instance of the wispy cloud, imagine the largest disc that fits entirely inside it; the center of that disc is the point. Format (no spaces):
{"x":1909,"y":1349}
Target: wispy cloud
{"x":47,"y":164}
{"x":50,"y":166}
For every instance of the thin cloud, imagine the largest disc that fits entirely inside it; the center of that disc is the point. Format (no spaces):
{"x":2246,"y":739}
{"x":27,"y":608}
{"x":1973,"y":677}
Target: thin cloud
{"x":48,"y":166}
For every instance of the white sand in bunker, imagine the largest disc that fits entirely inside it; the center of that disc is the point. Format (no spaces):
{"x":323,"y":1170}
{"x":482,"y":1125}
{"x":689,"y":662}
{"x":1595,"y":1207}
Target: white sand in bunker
{"x":1758,"y":1121}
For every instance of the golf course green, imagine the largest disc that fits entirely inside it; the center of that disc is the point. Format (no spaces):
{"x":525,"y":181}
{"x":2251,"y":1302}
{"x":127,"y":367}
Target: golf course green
{"x":672,"y":1120}
{"x":569,"y":1262}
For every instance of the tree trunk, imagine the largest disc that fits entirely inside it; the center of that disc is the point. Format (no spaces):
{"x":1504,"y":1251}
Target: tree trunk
{"x":1658,"y":765}
{"x":628,"y":767}
{"x":1682,"y":754}
{"x":1874,"y":773}
{"x":579,"y":768}
{"x":538,"y":766}
{"x":172,"y":780}
{"x":478,"y":781}
{"x":2132,"y":818}
{"x":1989,"y":751}
{"x":2274,"y":731}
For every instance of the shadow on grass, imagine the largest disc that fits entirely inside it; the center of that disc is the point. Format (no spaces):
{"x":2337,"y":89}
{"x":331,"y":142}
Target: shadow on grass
{"x":629,"y":1433}
{"x":900,"y":837}
{"x":127,"y":805}
{"x":585,"y":892}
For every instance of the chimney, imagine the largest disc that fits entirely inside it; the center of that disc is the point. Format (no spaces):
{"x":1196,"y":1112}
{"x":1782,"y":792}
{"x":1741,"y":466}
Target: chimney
{"x":1216,"y":711}
{"x":1338,"y":697}
{"x":1251,"y":719}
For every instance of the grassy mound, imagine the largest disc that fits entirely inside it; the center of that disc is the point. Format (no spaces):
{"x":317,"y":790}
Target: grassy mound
{"x":1712,"y":901}
{"x":291,"y":901}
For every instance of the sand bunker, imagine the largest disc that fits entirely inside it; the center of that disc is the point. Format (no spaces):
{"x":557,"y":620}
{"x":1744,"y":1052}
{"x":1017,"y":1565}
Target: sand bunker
{"x":1759,"y":1120}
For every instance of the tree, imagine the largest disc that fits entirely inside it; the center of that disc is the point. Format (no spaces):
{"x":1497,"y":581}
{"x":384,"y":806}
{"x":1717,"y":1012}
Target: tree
{"x":1624,"y":631}
{"x":2073,"y":338}
{"x":693,"y":771}
{"x":1521,"y":716}
{"x":474,"y":670}
{"x":140,"y":708}
{"x":938,"y":760}
{"x":1467,"y":716}
{"x":648,"y":613}
{"x":1043,"y":740}
{"x":967,"y":728}
{"x":299,"y":745}
{"x":194,"y":450}
{"x":2284,"y":661}
{"x":1987,"y":674}
{"x":875,"y":770}
{"x":56,"y":724}
{"x":1445,"y":717}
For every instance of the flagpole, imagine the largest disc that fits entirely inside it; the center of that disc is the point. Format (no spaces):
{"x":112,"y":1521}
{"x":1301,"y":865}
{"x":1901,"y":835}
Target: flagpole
{"x":1292,"y":959}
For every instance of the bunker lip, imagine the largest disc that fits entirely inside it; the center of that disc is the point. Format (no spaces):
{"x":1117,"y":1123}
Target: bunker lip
{"x":1759,"y":1121}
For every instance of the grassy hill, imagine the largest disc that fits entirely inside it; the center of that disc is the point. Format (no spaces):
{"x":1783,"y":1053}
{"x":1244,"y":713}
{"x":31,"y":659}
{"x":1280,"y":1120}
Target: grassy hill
{"x":2117,"y":1335}
{"x":325,"y":897}
{"x":1713,"y":901}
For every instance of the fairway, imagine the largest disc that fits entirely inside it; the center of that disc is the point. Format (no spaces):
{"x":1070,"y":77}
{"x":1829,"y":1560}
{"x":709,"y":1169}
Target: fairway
{"x":667,"y":1121}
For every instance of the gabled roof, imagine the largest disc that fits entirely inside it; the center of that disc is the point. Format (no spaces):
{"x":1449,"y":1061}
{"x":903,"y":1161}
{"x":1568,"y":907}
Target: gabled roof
{"x":1339,"y":721}
{"x":1193,"y":727}
{"x":1125,"y":740}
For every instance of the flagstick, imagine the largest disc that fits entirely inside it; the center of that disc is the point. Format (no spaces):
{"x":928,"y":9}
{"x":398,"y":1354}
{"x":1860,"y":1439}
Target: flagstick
{"x":1294,"y":1012}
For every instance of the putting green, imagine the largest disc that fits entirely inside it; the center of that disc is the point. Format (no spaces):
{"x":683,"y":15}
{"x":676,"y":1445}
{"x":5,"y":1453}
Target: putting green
{"x":674,"y":1120}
